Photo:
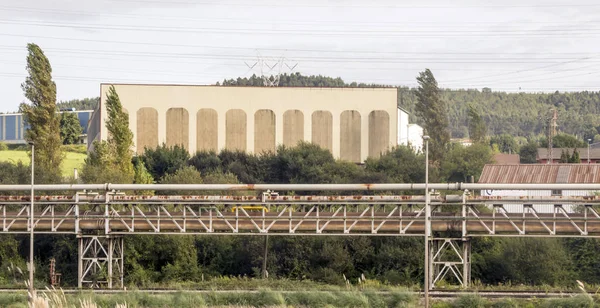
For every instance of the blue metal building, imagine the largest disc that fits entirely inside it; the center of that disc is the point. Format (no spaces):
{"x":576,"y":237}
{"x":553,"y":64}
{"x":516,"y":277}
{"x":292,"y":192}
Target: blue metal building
{"x":12,"y":126}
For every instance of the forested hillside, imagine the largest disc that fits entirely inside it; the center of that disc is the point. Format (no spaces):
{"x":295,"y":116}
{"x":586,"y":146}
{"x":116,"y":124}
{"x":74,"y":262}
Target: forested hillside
{"x":517,"y":114}
{"x":80,"y":104}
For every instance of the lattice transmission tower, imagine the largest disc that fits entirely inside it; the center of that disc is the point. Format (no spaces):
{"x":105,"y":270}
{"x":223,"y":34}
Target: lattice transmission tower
{"x":271,"y":68}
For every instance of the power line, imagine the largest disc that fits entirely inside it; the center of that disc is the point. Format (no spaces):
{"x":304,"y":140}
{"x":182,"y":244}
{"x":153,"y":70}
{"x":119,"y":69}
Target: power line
{"x":284,"y":49}
{"x":274,"y":21}
{"x":521,"y":71}
{"x":464,"y":34}
{"x":346,"y":5}
{"x":332,"y":59}
{"x":512,"y":78}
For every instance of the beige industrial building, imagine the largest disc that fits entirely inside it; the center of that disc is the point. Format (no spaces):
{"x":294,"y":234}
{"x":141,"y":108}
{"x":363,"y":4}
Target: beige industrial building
{"x":353,"y":123}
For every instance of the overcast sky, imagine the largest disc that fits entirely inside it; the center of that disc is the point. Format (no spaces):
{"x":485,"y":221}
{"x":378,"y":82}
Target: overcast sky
{"x":505,"y":45}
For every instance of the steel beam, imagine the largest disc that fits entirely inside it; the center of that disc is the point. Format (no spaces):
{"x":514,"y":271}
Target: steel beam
{"x":298,"y":187}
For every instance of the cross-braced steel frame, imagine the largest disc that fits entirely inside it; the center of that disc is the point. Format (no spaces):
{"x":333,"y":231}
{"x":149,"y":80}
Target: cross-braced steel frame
{"x":100,"y":261}
{"x":100,"y":216}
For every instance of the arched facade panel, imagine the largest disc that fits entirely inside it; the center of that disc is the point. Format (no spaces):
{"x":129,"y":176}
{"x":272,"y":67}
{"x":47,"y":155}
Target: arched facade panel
{"x":178,"y":127}
{"x":322,"y":129}
{"x":146,"y":129}
{"x":207,"y":130}
{"x":293,"y":127}
{"x":379,"y":132}
{"x":264,"y":131}
{"x":235,"y":129}
{"x":350,"y":139}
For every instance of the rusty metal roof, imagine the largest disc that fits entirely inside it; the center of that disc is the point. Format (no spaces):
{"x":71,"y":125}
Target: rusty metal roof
{"x":540,"y":173}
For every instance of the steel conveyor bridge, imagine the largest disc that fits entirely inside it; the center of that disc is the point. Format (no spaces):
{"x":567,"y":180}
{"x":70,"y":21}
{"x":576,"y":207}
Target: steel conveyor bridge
{"x":101,"y":215}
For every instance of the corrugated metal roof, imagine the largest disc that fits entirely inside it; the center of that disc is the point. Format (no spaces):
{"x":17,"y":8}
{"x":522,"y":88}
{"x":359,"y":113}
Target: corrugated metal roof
{"x":541,"y":173}
{"x":563,"y":174}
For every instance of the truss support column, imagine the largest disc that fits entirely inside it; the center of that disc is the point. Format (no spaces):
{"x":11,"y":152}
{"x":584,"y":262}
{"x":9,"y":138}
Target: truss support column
{"x":79,"y":262}
{"x":451,"y":261}
{"x":466,"y":262}
{"x":100,"y":261}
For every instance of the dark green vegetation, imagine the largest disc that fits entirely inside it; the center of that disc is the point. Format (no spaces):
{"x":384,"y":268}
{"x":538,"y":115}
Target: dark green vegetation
{"x":432,"y":110}
{"x":80,"y":104}
{"x":70,"y":129}
{"x":112,"y":160}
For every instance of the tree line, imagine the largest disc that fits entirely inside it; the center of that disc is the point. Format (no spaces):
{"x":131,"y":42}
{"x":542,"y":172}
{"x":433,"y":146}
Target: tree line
{"x":515,"y":114}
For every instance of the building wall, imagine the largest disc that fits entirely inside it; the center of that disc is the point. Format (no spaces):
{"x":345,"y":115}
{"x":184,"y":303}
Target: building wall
{"x":13,"y":127}
{"x":403,"y":134}
{"x":256,"y":119}
{"x":557,"y":161}
{"x":540,"y":208}
{"x":93,"y":129}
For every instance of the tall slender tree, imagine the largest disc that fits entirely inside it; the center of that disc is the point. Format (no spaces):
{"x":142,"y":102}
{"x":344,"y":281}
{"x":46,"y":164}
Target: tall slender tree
{"x":433,"y":111}
{"x":120,"y":136}
{"x":111,"y":160}
{"x":477,"y":127}
{"x":41,"y":115}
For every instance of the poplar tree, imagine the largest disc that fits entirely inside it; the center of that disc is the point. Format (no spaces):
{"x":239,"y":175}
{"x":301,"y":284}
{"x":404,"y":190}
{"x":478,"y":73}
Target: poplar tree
{"x":111,"y":160}
{"x":477,"y":127}
{"x":432,"y":110}
{"x":120,"y":136}
{"x":41,"y":116}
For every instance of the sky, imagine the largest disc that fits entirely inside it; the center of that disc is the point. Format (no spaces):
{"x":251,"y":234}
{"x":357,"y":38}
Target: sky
{"x":513,"y":46}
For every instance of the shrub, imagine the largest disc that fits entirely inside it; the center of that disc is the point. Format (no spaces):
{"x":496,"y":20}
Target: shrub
{"x":75,"y":148}
{"x":470,"y":301}
{"x":3,"y":146}
{"x":165,"y":160}
{"x":582,"y":300}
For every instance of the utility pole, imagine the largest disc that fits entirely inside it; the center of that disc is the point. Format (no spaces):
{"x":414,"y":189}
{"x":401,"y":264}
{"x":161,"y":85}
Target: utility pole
{"x":427,"y":222}
{"x":589,"y":142}
{"x":551,"y":132}
{"x":32,"y":225}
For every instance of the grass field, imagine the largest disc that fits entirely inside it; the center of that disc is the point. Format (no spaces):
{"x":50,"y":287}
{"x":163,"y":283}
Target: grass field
{"x":71,"y":161}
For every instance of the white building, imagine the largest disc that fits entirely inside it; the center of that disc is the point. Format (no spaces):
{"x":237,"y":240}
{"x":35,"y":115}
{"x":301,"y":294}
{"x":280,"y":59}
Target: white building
{"x":539,"y":174}
{"x":409,"y":134}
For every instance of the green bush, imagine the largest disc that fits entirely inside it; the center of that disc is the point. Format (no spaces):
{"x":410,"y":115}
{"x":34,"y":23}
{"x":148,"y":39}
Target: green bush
{"x":165,"y":160}
{"x":268,"y":298}
{"x":75,"y":148}
{"x":311,"y":299}
{"x":3,"y":146}
{"x":579,"y":301}
{"x":470,"y":301}
{"x":402,"y":299}
{"x":506,"y":303}
{"x":18,"y":147}
{"x":13,"y":299}
{"x":188,"y":300}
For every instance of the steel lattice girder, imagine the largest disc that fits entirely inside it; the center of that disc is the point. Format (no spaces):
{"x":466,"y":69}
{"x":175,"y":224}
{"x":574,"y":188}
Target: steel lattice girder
{"x":100,"y":261}
{"x":368,"y":215}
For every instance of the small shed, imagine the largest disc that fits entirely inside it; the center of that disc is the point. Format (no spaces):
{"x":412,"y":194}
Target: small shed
{"x":594,"y":155}
{"x":539,"y":174}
